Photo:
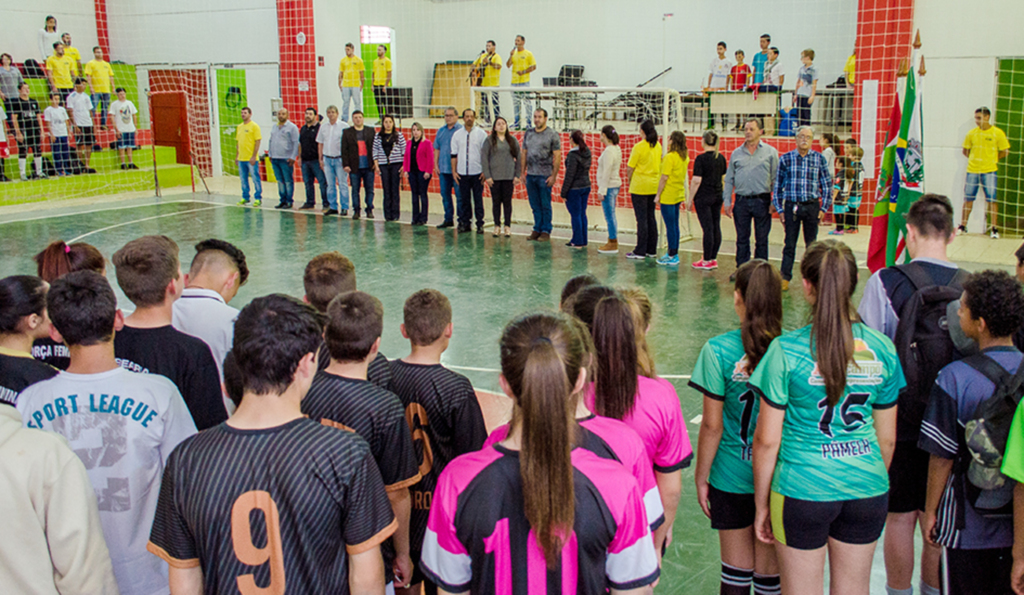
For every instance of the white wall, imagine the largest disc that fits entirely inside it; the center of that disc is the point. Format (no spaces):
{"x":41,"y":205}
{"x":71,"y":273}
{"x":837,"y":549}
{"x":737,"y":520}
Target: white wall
{"x":337,"y":23}
{"x":22,"y":20}
{"x":960,"y":58}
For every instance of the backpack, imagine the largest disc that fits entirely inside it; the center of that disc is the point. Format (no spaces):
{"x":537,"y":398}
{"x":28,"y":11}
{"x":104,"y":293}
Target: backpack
{"x":923,"y":343}
{"x":986,"y":488}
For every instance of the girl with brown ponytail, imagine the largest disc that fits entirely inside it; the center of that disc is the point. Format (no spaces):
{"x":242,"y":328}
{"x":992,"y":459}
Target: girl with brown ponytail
{"x":825,"y":434}
{"x":55,"y":261}
{"x":536,"y":488}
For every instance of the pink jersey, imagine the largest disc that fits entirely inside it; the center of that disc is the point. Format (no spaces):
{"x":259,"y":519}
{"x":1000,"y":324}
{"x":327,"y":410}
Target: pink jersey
{"x":478,"y":538}
{"x":658,"y":418}
{"x":611,"y":439}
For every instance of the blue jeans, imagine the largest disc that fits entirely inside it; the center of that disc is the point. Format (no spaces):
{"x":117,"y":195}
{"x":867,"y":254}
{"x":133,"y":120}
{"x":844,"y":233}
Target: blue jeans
{"x":101,"y":105}
{"x":987,"y":183}
{"x":337,"y":184}
{"x":447,"y":186}
{"x":245,"y":171}
{"x":522,"y":100}
{"x":608,"y":205}
{"x":364,"y":178}
{"x":670,"y":213}
{"x":485,"y":105}
{"x":311,"y":170}
{"x":350,"y":94}
{"x":61,"y":155}
{"x":745,"y":210}
{"x":576,"y":203}
{"x":285,"y":175}
{"x":539,"y":192}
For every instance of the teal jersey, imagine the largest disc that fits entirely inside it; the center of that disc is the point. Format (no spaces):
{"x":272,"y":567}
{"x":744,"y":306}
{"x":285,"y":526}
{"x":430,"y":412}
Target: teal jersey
{"x":829,"y":453}
{"x":721,"y":374}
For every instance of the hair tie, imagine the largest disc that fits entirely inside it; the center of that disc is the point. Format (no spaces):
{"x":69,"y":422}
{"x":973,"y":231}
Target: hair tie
{"x":67,"y":249}
{"x":540,"y":340}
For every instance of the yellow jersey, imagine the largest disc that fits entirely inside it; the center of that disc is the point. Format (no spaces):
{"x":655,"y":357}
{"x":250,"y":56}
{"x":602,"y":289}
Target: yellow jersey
{"x":351,"y":67}
{"x":646,"y":163}
{"x":521,"y":61}
{"x":246,"y":136}
{"x":984,"y":147}
{"x":490,"y":68}
{"x":850,"y":70}
{"x":101,"y":74}
{"x":381,"y":68}
{"x":75,"y":56}
{"x":62,"y":68}
{"x":675,"y":167}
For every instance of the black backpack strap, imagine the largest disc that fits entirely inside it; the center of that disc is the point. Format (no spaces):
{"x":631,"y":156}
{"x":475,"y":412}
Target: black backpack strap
{"x":916,"y":274}
{"x":990,"y":368}
{"x":959,"y":279}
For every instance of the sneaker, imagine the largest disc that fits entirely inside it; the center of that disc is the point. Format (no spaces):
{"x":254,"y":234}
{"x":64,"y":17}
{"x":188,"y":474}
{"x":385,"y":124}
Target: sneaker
{"x":41,"y":176}
{"x":851,"y":231}
{"x":355,"y":215}
{"x":90,"y":170}
{"x":369,"y":213}
{"x":652,"y":255}
{"x":330,"y":211}
{"x":497,"y":231}
{"x":671,"y":261}
{"x":24,"y":178}
{"x":344,"y":212}
{"x":710,"y":264}
{"x":282,"y":205}
{"x":533,"y":236}
{"x":699,"y":265}
{"x":961,"y":230}
{"x":612,"y":247}
{"x":836,"y":232}
{"x":132,"y":166}
{"x":446,"y":225}
{"x":257,"y":203}
{"x":544,"y":237}
{"x":785,"y":285}
{"x":508,"y":232}
{"x":124,"y":166}
{"x":307,"y":207}
{"x":243,"y":203}
{"x":480,"y":230}
{"x":635,"y":256}
{"x":994,"y":234}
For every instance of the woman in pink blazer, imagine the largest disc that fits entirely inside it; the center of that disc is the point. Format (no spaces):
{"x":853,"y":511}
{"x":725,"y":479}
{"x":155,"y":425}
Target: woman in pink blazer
{"x":419,"y":163}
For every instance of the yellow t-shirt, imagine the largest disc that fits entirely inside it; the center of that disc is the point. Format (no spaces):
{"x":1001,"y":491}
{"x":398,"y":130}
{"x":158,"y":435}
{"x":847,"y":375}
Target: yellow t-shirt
{"x":351,"y":67}
{"x":851,"y":68}
{"x":246,"y":136}
{"x":984,"y":147}
{"x":61,"y":68}
{"x":491,"y":74}
{"x":646,"y":163}
{"x":521,"y":61}
{"x":75,"y":56}
{"x":101,"y":73}
{"x":675,"y":167}
{"x":381,"y":68}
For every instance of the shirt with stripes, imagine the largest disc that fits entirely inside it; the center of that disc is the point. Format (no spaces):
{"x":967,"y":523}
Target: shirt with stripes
{"x":18,"y":371}
{"x":378,"y":372}
{"x":397,"y":154}
{"x":803,"y":178}
{"x":956,"y":394}
{"x":279,"y":509}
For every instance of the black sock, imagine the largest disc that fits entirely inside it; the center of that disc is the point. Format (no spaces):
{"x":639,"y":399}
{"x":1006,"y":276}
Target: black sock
{"x":735,"y":581}
{"x":767,"y":584}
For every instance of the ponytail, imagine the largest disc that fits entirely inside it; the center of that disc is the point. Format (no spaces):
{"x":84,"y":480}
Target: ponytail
{"x":541,"y":358}
{"x":610,"y":320}
{"x":643,"y":311}
{"x":710,"y":139}
{"x":760,"y":286}
{"x":650,"y":132}
{"x":20,"y":296}
{"x":59,"y":259}
{"x":832,"y":270}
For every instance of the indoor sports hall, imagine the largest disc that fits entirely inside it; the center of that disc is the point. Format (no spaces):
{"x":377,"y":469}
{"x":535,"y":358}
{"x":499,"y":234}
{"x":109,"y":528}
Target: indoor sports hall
{"x":189,"y":67}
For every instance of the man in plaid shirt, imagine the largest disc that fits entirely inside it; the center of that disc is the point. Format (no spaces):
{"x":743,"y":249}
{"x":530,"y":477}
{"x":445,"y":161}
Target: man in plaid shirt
{"x":803,"y":194}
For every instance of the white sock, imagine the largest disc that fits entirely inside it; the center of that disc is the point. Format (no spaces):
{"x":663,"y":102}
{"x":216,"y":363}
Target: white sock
{"x":926,"y":589}
{"x":39,"y":165}
{"x":890,"y":591}
{"x":21,"y":166}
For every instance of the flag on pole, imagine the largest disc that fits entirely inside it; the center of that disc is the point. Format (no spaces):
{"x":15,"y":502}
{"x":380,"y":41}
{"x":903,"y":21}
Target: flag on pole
{"x":880,"y":221}
{"x":910,"y":169}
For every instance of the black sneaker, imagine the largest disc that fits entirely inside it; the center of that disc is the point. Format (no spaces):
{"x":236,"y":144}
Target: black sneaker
{"x":307,"y":207}
{"x":355,"y":214}
{"x":331,"y":212}
{"x":446,"y":225}
{"x":132,"y":166}
{"x":369,"y":213}
{"x":90,"y":170}
{"x":124,"y":166}
{"x":344,"y":212}
{"x":480,"y":230}
{"x":283,"y":205}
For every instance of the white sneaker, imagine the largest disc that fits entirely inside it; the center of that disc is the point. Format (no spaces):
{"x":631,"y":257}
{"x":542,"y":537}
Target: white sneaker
{"x":961,"y":230}
{"x":994,"y":234}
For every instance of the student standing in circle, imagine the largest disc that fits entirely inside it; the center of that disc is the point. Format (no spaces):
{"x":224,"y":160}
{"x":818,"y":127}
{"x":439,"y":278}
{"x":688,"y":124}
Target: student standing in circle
{"x":826,"y":436}
{"x":642,"y":173}
{"x":706,"y":190}
{"x":724,"y":474}
{"x":672,"y":193}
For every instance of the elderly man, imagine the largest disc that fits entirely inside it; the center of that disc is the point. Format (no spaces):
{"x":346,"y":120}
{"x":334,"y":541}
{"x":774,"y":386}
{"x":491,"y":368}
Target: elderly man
{"x":803,"y":194}
{"x":752,"y":169}
{"x":284,"y":149}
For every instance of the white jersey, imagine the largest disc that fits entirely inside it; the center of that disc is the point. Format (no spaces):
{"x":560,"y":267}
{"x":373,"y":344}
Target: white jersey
{"x":123,"y":426}
{"x":124,"y":112}
{"x":80,"y":105}
{"x":58,"y":119}
{"x":204,"y":314}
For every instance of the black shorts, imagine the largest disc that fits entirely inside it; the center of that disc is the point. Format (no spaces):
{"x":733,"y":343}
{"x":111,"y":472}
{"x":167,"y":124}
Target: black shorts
{"x":429,"y":588}
{"x":908,"y":478}
{"x":979,"y":571}
{"x":730,"y":510}
{"x":807,"y":525}
{"x":85,"y":136}
{"x":31,"y":143}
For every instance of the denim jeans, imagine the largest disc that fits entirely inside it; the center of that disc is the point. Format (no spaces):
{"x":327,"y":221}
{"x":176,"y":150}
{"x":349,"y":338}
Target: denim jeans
{"x":364,"y":178}
{"x":350,"y":94}
{"x":803,"y":110}
{"x":608,"y":206}
{"x":745,"y":210}
{"x":245,"y":171}
{"x":311,"y":170}
{"x":797,"y":215}
{"x":61,"y":155}
{"x":337,"y":185}
{"x":101,"y":105}
{"x":670,"y":214}
{"x":576,"y":203}
{"x":646,"y":225}
{"x":448,"y":185}
{"x":539,"y":193}
{"x":420,"y":202}
{"x":285,"y":175}
{"x":489,"y":100}
{"x":709,"y":214}
{"x":986,"y":182}
{"x":522,"y":100}
{"x":471,"y":198}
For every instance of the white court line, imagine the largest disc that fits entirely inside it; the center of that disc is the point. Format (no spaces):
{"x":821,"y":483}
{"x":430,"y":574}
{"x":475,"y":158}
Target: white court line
{"x":496,"y":371}
{"x":118,"y":208}
{"x":115,"y":226}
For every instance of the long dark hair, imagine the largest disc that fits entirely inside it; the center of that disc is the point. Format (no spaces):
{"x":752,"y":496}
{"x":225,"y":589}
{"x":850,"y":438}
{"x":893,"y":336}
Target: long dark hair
{"x":59,"y":259}
{"x":578,"y":139}
{"x":760,"y":286}
{"x":513,"y":144}
{"x":46,"y":23}
{"x":610,"y":319}
{"x":394,"y":128}
{"x":541,"y":358}
{"x":650,"y":132}
{"x":831,"y":269}
{"x":609,"y":131}
{"x":20,"y":296}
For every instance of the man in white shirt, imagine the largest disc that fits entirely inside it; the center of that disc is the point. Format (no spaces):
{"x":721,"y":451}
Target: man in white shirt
{"x":718,"y":75}
{"x":122,"y":425}
{"x":217,"y":272}
{"x":329,"y":141}
{"x":80,"y":107}
{"x":466,"y":169}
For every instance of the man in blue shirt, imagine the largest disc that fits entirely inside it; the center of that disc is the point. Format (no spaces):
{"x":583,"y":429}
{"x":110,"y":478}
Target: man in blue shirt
{"x":443,"y":147}
{"x":284,"y":149}
{"x":761,"y":58}
{"x":803,"y":193}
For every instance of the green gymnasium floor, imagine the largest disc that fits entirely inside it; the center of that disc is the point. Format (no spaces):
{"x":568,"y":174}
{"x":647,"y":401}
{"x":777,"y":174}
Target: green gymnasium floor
{"x":489,"y":280}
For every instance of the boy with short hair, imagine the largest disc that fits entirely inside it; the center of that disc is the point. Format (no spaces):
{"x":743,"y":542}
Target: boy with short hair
{"x":125,"y":123}
{"x":80,"y":109}
{"x":738,"y":77}
{"x":978,"y":548}
{"x":440,"y":406}
{"x":806,"y":87}
{"x":27,"y":132}
{"x":57,"y":116}
{"x":718,"y":75}
{"x":122,"y":425}
{"x":983,"y":147}
{"x":342,"y":397}
{"x":271,"y":500}
{"x":327,"y":276}
{"x":150,"y":276}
